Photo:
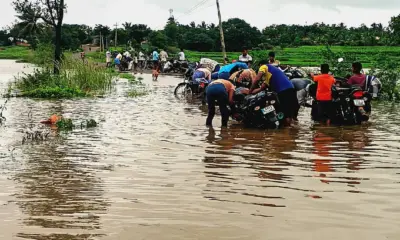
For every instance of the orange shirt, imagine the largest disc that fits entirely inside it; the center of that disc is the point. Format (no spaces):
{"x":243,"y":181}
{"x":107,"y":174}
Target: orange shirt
{"x":228,"y":85}
{"x":325,"y":83}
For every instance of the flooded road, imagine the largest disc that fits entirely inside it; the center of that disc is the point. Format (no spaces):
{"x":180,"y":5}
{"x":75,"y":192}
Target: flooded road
{"x":152,"y":170}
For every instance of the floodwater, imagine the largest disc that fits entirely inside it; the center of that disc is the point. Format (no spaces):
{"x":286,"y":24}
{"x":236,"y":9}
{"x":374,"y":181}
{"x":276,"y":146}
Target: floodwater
{"x":152,"y":170}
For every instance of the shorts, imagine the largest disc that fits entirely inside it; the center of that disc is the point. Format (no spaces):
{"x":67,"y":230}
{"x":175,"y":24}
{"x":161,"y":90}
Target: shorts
{"x":288,"y":102}
{"x":155,"y":64}
{"x":326,"y":110}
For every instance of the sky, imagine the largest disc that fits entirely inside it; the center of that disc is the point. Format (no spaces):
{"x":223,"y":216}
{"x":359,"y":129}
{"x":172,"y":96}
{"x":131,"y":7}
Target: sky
{"x":259,"y":13}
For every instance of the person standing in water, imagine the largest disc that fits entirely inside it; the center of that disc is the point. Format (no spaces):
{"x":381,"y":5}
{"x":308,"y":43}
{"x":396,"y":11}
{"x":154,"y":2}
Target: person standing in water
{"x":219,"y":92}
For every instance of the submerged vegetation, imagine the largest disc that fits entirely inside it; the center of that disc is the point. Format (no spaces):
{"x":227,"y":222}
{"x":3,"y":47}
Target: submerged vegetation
{"x":75,"y":79}
{"x":137,"y":92}
{"x":128,"y":76}
{"x":66,"y":124}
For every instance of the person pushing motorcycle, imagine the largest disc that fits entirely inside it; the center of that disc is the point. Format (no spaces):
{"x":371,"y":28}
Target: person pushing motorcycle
{"x":326,"y":109}
{"x":273,"y":78}
{"x":221,"y":92}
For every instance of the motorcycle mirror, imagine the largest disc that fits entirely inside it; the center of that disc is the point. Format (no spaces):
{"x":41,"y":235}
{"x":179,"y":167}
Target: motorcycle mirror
{"x":340,"y":60}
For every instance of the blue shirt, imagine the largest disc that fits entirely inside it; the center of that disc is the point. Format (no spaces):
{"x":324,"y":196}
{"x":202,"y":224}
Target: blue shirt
{"x":233,"y":67}
{"x":155,"y":56}
{"x":276,"y":79}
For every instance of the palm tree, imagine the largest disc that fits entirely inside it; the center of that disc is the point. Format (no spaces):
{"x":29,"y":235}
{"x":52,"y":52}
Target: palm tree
{"x":29,"y":23}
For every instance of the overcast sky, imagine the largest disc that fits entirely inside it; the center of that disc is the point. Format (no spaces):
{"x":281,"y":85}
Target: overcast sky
{"x":259,"y":13}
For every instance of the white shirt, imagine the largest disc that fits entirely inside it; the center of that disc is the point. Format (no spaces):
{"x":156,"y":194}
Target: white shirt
{"x":108,"y":56}
{"x":163,"y":56}
{"x":245,"y":59}
{"x":208,"y":63}
{"x":127,"y":54}
{"x":141,"y":56}
{"x":181,"y":56}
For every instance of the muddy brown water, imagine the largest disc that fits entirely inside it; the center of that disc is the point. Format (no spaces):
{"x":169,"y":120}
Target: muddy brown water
{"x":152,"y":170}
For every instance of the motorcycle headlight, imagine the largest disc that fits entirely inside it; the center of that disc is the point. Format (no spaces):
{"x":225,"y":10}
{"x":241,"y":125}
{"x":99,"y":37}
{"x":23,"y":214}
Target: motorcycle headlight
{"x":272,"y":102}
{"x":257,"y":108}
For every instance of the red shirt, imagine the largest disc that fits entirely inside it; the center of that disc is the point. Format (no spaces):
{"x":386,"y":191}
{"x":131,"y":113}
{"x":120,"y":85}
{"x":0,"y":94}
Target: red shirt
{"x":357,"y":79}
{"x":324,"y":90}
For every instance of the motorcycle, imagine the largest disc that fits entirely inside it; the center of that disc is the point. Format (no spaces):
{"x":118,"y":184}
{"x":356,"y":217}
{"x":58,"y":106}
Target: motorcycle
{"x":294,"y":72}
{"x":352,"y":104}
{"x":192,"y":87}
{"x":261,"y":110}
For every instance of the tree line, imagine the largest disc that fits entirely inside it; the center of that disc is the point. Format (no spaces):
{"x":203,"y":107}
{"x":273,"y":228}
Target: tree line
{"x":36,"y":25}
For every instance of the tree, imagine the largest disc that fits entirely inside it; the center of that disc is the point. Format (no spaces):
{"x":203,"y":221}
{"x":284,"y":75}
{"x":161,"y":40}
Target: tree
{"x":171,"y":31}
{"x":4,"y":38}
{"x":74,"y":35}
{"x":158,"y":39}
{"x":238,"y":34}
{"x":29,"y":25}
{"x":51,"y":12}
{"x":199,"y":41}
{"x":394,"y":27}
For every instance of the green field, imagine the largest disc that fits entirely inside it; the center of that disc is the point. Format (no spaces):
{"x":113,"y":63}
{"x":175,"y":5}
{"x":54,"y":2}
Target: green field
{"x":15,"y":52}
{"x":309,"y":56}
{"x":306,"y":56}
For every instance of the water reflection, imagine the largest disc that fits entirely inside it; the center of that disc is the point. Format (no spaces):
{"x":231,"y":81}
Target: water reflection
{"x":59,"y":191}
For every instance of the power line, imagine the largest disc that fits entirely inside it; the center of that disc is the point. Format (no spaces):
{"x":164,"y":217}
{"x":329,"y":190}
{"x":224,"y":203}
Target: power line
{"x":193,"y":9}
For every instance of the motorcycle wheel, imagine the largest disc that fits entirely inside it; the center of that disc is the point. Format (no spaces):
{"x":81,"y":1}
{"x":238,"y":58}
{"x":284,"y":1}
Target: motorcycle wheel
{"x":183,"y":91}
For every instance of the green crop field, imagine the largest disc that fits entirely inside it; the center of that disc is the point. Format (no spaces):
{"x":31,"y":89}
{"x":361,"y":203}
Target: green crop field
{"x":309,"y":55}
{"x":15,"y":52}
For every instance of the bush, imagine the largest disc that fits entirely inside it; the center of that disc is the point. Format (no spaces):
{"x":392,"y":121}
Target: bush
{"x":76,"y":79}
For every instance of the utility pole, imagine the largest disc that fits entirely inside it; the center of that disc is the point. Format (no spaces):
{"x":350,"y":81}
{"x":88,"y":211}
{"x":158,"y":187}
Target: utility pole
{"x":116,"y":34}
{"x":221,"y":31}
{"x":101,"y":43}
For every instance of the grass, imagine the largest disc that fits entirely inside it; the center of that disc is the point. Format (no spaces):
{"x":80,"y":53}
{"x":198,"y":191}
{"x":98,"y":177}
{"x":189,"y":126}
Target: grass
{"x":128,"y":76}
{"x":75,"y":80}
{"x":16,"y":53}
{"x":137,"y":92}
{"x":98,"y":57}
{"x":309,"y":56}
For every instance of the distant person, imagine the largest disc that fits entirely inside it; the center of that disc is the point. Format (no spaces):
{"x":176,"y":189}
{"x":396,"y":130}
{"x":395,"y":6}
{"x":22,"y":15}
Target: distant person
{"x":326,"y":109}
{"x":108,"y":58}
{"x":245,"y":57}
{"x":358,"y":78}
{"x":274,"y":79}
{"x":181,"y":55}
{"x":135,"y":63}
{"x":155,"y":58}
{"x":142,"y":60}
{"x":117,"y":61}
{"x":226,"y":71}
{"x":119,"y":56}
{"x":272,"y":61}
{"x":127,"y":54}
{"x":163,"y":58}
{"x":83,"y":55}
{"x":219,"y":92}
